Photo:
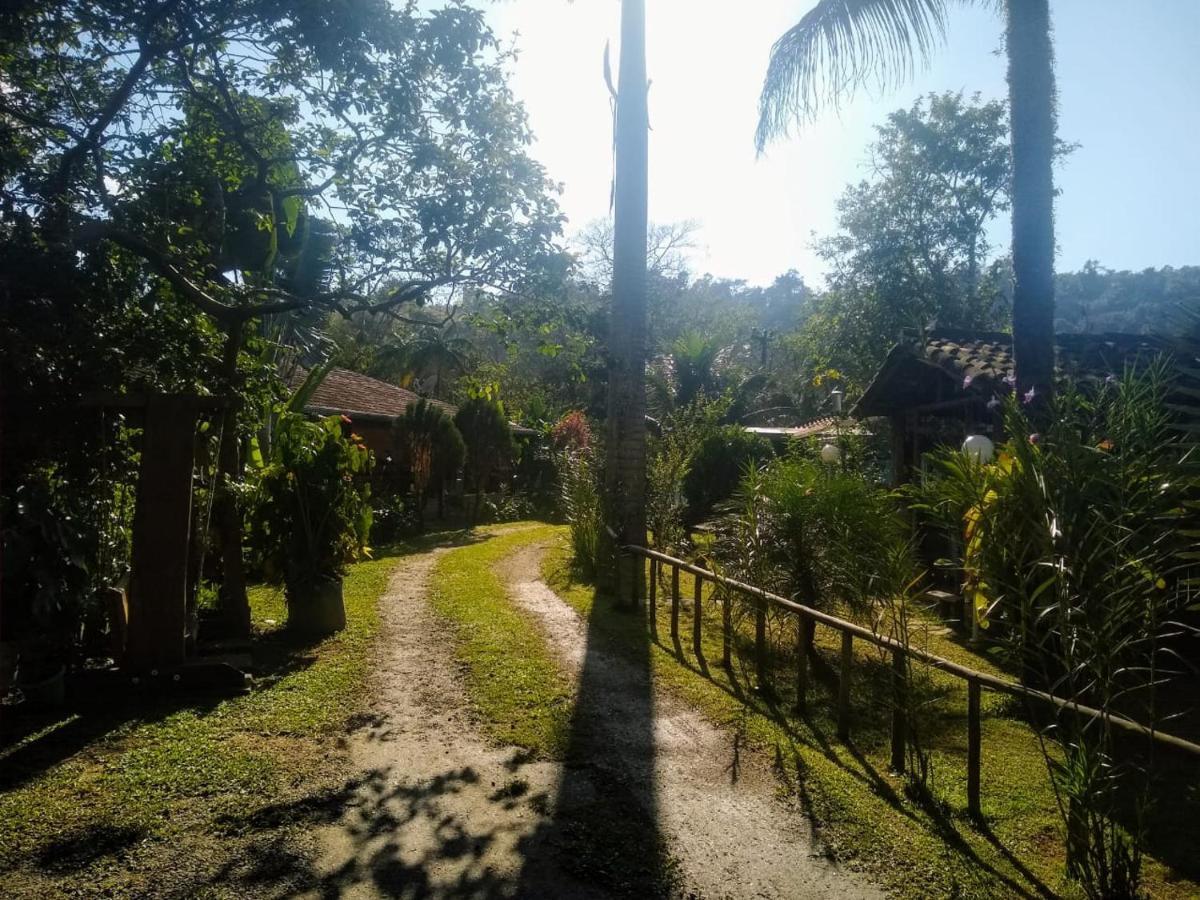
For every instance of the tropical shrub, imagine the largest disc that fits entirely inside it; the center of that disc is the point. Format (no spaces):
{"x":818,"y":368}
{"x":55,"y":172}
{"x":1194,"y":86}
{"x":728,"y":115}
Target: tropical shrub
{"x":667,"y":467}
{"x":668,"y":464}
{"x":489,"y":443}
{"x":581,"y":507}
{"x":431,"y":450}
{"x":834,"y":529}
{"x":47,"y":546}
{"x":572,"y":432}
{"x":827,"y":536}
{"x":393,"y":518}
{"x":718,"y":461}
{"x":509,"y":506}
{"x":312,"y":515}
{"x":1077,"y":555}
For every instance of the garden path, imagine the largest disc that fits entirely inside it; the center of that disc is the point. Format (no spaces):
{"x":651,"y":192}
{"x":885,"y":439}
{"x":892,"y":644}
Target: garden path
{"x":434,"y":810}
{"x":437,"y":811}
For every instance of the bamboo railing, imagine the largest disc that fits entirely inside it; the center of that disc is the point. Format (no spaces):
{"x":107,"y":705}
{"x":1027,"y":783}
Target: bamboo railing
{"x":809,"y":618}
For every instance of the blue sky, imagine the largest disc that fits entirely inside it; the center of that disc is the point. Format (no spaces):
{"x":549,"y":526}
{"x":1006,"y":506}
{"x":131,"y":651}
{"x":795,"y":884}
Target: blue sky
{"x":1129,"y":86}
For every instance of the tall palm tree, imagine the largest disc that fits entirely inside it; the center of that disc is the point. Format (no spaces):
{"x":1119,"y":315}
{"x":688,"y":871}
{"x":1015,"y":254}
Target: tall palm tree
{"x":839,"y":44}
{"x":625,"y":475}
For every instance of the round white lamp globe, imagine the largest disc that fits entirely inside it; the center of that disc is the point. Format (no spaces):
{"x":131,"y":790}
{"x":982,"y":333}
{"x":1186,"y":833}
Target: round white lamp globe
{"x":830,"y":454}
{"x":979,"y":448}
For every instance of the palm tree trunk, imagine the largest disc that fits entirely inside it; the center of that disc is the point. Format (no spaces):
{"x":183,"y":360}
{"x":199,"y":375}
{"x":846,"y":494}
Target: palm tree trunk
{"x":1032,"y":100}
{"x":625,"y":475}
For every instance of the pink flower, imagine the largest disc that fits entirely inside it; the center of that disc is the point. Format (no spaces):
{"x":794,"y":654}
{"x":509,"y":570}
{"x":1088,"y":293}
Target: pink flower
{"x":1035,"y":439}
{"x":1029,"y":396}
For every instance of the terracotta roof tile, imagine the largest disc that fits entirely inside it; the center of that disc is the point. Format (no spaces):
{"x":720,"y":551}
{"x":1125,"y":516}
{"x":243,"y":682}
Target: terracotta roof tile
{"x":350,"y":393}
{"x":978,"y":361}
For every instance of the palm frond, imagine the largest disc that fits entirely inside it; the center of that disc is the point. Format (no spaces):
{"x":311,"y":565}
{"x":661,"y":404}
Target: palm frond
{"x":838,"y":46}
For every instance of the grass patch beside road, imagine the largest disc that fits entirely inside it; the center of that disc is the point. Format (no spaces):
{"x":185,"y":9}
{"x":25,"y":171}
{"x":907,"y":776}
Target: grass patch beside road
{"x":514,"y":683}
{"x":146,"y":795}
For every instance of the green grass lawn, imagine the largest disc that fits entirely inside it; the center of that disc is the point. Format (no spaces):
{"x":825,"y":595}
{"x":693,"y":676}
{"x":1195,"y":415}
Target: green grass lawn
{"x":103,"y":800}
{"x":513,"y":682}
{"x":926,"y":847}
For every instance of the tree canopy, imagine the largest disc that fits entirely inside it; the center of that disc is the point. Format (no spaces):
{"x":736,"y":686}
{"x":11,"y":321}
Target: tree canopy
{"x":201,"y":137}
{"x":912,"y":246}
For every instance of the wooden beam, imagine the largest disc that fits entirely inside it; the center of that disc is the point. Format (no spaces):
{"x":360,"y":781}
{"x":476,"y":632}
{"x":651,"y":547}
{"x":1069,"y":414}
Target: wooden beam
{"x":161,"y":536}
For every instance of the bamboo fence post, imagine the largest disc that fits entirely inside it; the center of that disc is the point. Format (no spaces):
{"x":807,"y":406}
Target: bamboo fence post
{"x":843,"y":721}
{"x":726,"y":627}
{"x":899,"y":710}
{"x":760,"y":644}
{"x":675,"y":604}
{"x":655,"y":565}
{"x":973,"y":747}
{"x":804,"y":627}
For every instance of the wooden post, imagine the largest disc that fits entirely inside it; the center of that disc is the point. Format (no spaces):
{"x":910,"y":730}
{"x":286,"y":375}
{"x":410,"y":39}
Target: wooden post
{"x":843,"y":721}
{"x":697,"y":594}
{"x":675,"y":604}
{"x":804,"y":627}
{"x":899,"y":710}
{"x":162,"y":524}
{"x":726,"y":628}
{"x":653,"y":603}
{"x":973,"y":746}
{"x":760,"y":644}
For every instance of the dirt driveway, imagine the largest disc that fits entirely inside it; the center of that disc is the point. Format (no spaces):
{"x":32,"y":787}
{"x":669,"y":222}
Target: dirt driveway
{"x":434,"y":810}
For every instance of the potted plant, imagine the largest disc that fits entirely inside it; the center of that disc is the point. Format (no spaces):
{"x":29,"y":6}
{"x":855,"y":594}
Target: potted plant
{"x":313,"y":516}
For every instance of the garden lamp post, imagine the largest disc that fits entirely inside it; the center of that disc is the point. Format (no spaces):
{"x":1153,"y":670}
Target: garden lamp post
{"x":832,"y":453}
{"x":979,"y":448}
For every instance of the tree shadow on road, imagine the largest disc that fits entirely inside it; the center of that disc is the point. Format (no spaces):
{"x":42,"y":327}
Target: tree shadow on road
{"x":604,"y":825}
{"x":375,"y":812}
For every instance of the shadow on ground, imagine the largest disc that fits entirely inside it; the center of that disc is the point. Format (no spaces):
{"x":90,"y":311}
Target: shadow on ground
{"x":374,"y":812}
{"x":33,"y":740}
{"x":604,"y":824}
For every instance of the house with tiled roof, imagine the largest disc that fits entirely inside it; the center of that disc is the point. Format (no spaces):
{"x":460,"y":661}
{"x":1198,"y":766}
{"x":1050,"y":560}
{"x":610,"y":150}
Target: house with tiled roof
{"x":365,"y":399}
{"x":370,"y":404}
{"x":937,"y":388}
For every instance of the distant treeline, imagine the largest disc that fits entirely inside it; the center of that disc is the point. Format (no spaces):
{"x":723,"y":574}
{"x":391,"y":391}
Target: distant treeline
{"x":1095,"y":299}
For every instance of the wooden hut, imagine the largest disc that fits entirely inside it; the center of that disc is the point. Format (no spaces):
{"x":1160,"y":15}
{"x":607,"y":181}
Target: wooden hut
{"x":939,"y":387}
